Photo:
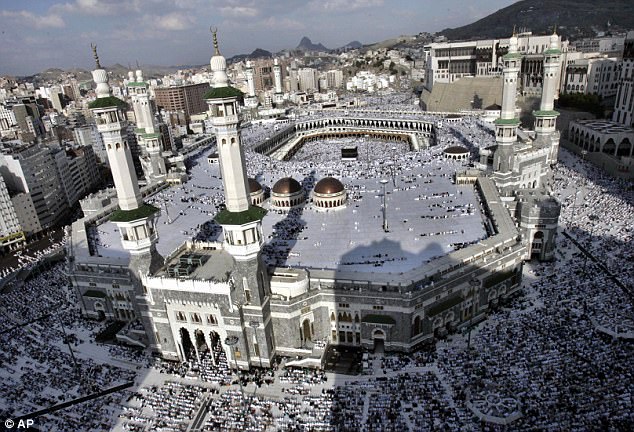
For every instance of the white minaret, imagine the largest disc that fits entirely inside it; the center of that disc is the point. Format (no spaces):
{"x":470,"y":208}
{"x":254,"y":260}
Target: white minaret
{"x":546,"y":117}
{"x":135,"y":219}
{"x":241,"y":222}
{"x":278,"y":97}
{"x":109,"y":113}
{"x":506,"y":125}
{"x":146,"y":130}
{"x":250,"y":83}
{"x":242,"y":231}
{"x":250,"y":100}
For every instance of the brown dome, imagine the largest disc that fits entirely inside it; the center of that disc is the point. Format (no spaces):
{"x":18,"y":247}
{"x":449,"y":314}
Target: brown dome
{"x":286,"y":186}
{"x":254,"y":186}
{"x":328,"y":185}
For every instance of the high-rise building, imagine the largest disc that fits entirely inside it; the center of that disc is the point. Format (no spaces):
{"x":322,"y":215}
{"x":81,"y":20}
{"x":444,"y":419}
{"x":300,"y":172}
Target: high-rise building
{"x":334,"y":78}
{"x":624,"y":104}
{"x":88,"y":135}
{"x":308,"y":80}
{"x":186,"y":99}
{"x":31,"y":169}
{"x":11,"y":233}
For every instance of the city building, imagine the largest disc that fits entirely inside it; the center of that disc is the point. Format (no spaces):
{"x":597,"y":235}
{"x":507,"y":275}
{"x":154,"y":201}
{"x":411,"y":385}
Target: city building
{"x":31,"y":169}
{"x":450,"y":61}
{"x":598,"y":76}
{"x":11,"y":233}
{"x":181,"y":102}
{"x":624,"y":104}
{"x":609,"y":143}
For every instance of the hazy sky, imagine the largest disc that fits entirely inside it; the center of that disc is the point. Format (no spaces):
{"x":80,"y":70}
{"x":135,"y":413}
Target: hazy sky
{"x":39,"y":34}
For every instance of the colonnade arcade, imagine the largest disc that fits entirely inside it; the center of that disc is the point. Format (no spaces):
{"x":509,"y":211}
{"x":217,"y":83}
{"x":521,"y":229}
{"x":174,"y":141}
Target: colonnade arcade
{"x":346,"y":126}
{"x":605,"y":144}
{"x":331,"y":134}
{"x":191,"y":344}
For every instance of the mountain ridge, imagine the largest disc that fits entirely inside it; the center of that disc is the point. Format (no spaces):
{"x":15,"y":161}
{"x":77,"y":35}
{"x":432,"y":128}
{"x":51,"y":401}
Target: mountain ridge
{"x":573,"y":18}
{"x":305,"y":44}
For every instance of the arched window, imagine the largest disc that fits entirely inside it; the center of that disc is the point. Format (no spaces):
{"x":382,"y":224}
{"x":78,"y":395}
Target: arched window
{"x":117,"y":146}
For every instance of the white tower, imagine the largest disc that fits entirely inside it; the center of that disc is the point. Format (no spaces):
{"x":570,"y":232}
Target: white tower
{"x":135,"y":219}
{"x":243,"y":240}
{"x":146,"y":130}
{"x":506,"y":125}
{"x":278,"y":97}
{"x":250,"y":100}
{"x":546,"y":117}
{"x":109,"y":113}
{"x":242,"y":230}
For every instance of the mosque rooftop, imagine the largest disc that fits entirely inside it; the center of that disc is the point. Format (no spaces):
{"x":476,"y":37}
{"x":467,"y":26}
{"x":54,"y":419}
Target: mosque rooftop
{"x":428,"y":215}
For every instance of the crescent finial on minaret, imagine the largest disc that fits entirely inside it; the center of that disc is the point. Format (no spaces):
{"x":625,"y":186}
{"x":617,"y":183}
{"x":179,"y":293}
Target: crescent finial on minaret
{"x":555,"y":29}
{"x":214,"y":32}
{"x":95,"y":55}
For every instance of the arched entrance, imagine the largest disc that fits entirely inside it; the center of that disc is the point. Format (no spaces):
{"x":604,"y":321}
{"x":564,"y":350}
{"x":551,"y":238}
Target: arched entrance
{"x":609,"y":147}
{"x":537,"y":243}
{"x":306,"y":330}
{"x":624,"y":149}
{"x":186,"y":344}
{"x":378,"y":337}
{"x":201,"y":343}
{"x":216,"y":347}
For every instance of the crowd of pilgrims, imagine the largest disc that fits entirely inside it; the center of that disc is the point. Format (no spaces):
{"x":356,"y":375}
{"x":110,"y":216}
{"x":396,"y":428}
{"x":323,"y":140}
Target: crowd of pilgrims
{"x":36,"y":367}
{"x":26,"y":258}
{"x":557,"y":357}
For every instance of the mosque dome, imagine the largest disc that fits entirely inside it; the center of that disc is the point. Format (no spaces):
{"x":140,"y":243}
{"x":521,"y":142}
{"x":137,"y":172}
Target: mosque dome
{"x":218,"y":63}
{"x":328,"y":185}
{"x":254,"y":186}
{"x":286,"y":186}
{"x":255,"y":192}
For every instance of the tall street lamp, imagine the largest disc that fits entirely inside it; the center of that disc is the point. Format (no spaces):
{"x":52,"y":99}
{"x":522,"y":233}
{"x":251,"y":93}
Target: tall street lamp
{"x":232,"y":341}
{"x":593,"y":218}
{"x":473,"y":285}
{"x":385,"y":225}
{"x":394,"y":166}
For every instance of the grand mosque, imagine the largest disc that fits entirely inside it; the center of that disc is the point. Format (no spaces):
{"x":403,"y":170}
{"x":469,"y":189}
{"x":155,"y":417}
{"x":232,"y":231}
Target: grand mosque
{"x":387,"y":261}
